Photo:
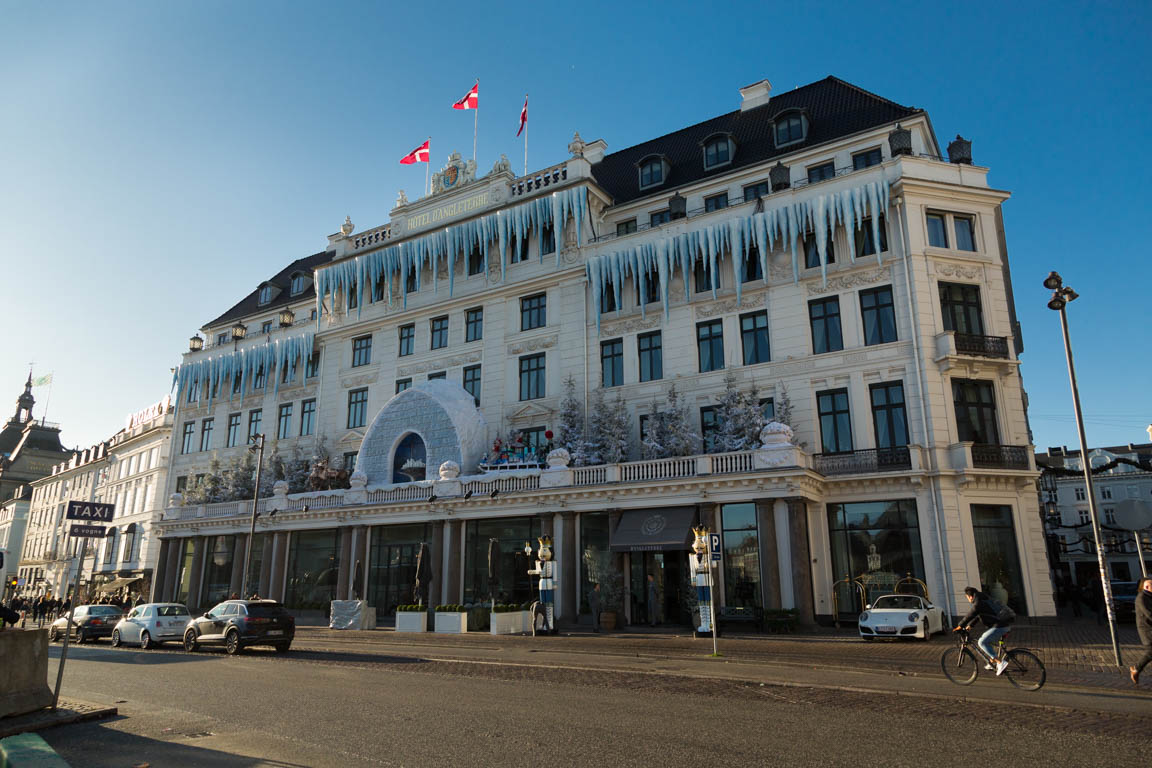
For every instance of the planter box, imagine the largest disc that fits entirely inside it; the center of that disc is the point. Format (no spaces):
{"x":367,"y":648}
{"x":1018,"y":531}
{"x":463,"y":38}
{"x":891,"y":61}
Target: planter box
{"x":452,"y":622}
{"x":512,"y":623}
{"x":412,"y":621}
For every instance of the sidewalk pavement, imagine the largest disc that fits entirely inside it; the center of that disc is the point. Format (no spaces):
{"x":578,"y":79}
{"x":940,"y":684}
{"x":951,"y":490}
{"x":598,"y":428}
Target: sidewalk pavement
{"x":69,"y":711}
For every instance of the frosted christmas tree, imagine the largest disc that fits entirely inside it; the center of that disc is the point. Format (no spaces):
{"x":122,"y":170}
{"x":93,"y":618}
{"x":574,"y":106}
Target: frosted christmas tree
{"x":739,"y":418}
{"x":570,"y":426}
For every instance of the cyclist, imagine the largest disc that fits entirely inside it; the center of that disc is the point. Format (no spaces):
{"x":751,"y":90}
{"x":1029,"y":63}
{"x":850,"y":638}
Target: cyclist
{"x":997,"y":618}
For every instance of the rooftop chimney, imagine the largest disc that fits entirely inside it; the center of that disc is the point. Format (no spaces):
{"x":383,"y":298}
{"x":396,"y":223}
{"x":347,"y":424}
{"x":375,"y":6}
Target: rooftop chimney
{"x":755,"y":95}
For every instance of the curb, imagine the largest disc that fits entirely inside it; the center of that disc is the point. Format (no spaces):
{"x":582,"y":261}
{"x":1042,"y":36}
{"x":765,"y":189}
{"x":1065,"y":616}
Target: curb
{"x":68,"y":712}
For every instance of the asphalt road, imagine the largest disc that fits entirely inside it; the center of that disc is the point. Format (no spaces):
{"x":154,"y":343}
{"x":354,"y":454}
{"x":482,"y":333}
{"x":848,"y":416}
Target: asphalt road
{"x":358,"y":709}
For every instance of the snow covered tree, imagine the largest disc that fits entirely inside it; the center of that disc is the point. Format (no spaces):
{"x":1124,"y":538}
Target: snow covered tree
{"x":783,"y":415}
{"x":210,"y":489}
{"x":670,"y":430}
{"x":570,"y":423}
{"x":739,"y":418}
{"x":591,"y":449}
{"x":616,"y":438}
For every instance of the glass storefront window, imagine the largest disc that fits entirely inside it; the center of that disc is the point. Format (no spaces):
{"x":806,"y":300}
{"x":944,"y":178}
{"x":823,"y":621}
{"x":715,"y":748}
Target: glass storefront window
{"x":218,"y":569}
{"x":997,"y":556}
{"x":515,"y":585}
{"x":595,"y":557}
{"x":741,"y":541}
{"x":186,"y":552}
{"x":876,"y":543}
{"x":255,"y":564}
{"x":313,"y":569}
{"x":392,"y":564}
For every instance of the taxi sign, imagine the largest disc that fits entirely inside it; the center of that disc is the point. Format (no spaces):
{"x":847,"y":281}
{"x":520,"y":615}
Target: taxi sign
{"x":88,"y":531}
{"x":90,"y":510}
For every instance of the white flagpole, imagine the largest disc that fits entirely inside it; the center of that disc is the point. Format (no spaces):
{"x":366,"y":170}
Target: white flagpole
{"x":47,"y":400}
{"x":427,"y":166}
{"x":525,"y":136}
{"x":476,"y":121}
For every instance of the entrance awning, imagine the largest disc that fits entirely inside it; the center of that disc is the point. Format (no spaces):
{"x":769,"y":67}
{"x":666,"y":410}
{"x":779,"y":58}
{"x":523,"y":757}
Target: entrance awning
{"x":116,"y":584}
{"x":651,"y":530}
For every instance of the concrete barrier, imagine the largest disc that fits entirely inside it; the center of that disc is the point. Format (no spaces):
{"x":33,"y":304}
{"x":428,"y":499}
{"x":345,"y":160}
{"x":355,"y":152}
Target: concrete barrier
{"x":24,"y":671}
{"x":28,"y":751}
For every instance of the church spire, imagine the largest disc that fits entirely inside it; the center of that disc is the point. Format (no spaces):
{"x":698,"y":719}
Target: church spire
{"x":25,"y":402}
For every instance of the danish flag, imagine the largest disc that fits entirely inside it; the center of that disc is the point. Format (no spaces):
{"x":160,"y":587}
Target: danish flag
{"x":418,"y":155}
{"x":523,"y":116}
{"x":471,"y":99}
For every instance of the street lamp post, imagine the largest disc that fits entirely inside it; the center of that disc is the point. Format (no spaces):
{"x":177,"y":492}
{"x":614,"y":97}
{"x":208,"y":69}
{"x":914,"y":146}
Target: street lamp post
{"x":258,"y":446}
{"x":1061,"y":295}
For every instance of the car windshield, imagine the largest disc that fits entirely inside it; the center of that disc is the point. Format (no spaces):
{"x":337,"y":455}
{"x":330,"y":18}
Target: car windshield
{"x":103,"y":610}
{"x":899,"y":602}
{"x":171,"y":610}
{"x":1124,"y":589}
{"x":266,"y":609}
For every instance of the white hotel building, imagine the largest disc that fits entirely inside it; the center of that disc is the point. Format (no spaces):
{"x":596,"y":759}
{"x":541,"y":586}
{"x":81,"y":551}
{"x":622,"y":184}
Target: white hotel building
{"x":813,"y":242}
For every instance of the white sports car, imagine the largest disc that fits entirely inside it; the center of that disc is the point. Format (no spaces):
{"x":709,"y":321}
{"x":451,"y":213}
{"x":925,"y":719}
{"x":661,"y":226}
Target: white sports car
{"x":901,"y":616}
{"x":151,"y":624}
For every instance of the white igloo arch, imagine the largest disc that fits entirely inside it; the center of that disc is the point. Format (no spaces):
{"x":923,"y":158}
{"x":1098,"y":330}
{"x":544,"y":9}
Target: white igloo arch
{"x":441,"y":413}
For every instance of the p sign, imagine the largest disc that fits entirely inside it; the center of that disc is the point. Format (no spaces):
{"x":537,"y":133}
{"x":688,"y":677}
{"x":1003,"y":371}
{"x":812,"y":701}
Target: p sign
{"x":91,"y":511}
{"x":714,"y":546}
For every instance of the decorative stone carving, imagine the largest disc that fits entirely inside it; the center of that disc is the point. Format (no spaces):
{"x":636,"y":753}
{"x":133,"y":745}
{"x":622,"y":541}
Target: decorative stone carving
{"x":449,"y":470}
{"x":503,"y":165}
{"x":643,"y":323}
{"x":176,"y":500}
{"x":776,"y":447}
{"x":749,"y":301}
{"x":775,"y":433}
{"x":347,"y":227}
{"x":280,"y":488}
{"x":357,"y":381}
{"x":440,"y":364}
{"x":847,"y":282}
{"x":954,"y":270}
{"x":532,"y":345}
{"x":577,"y":145}
{"x":401,"y":199}
{"x":558,"y":458}
{"x":455,"y":174}
{"x":358,"y":480}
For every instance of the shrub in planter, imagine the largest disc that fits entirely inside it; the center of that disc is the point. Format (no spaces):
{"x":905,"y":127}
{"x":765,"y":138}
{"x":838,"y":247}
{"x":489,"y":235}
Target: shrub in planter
{"x":451,"y":618}
{"x":411,"y":618}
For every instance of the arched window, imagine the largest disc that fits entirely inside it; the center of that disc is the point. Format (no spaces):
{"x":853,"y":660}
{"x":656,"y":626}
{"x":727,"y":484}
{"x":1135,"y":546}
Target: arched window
{"x":110,"y":545}
{"x":790,"y":128}
{"x":299,"y":283}
{"x":409,"y":464}
{"x":265,"y":295}
{"x":718,"y":151}
{"x":653,"y":171}
{"x":129,"y":543}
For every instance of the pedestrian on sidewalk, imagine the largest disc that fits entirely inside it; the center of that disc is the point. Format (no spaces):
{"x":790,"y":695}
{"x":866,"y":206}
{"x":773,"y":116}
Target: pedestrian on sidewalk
{"x":1144,"y":628}
{"x":594,"y":606}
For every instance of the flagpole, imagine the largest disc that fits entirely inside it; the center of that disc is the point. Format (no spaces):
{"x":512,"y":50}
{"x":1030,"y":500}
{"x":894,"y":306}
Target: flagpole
{"x":476,"y":122}
{"x":525,"y":137}
{"x":428,"y":165}
{"x":47,"y":400}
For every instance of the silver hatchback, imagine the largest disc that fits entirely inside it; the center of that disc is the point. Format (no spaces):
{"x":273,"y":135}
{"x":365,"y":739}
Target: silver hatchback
{"x":152,"y":623}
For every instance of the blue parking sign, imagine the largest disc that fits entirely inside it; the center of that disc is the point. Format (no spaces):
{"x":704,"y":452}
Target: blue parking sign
{"x":714,"y":546}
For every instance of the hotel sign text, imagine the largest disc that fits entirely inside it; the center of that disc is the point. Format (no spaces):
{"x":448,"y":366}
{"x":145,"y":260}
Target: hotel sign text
{"x":451,"y":211}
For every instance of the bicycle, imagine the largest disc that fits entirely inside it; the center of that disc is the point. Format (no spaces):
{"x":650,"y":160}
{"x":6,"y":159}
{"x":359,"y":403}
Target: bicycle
{"x":962,"y":666}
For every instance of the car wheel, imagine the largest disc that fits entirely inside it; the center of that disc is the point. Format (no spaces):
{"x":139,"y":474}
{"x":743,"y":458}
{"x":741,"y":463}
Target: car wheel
{"x":81,"y":637}
{"x":232,"y":642}
{"x":53,"y":635}
{"x":115,"y":638}
{"x":190,"y":643}
{"x":145,"y":640}
{"x":927,"y":631}
{"x":283,"y":647}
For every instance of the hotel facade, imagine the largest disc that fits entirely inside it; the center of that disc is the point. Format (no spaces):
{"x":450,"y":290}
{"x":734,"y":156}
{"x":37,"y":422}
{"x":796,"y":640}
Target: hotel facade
{"x":814,"y":245}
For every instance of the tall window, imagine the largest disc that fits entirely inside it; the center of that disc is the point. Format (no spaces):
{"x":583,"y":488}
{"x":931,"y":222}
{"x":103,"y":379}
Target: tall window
{"x":960,"y":308}
{"x":379,"y":289}
{"x":407,"y":340}
{"x":361,"y":351}
{"x":255,"y":420}
{"x":709,"y":426}
{"x":548,"y":240}
{"x":937,"y":234}
{"x":608,"y":297}
{"x":265,"y":295}
{"x":821,"y":172}
{"x":534,"y":442}
{"x":403,"y":384}
{"x":651,"y":287}
{"x":357,"y":408}
{"x":651,"y":173}
{"x":659,"y":217}
{"x":307,"y":417}
{"x":879,"y":315}
{"x":812,"y":251}
{"x":824,"y":316}
{"x":752,"y":268}
{"x":888,"y":415}
{"x":284,"y":421}
{"x":753,"y":191}
{"x":965,"y":233}
{"x":710,"y":345}
{"x":299,"y":283}
{"x":532,"y":377}
{"x":233,"y":429}
{"x":533,"y":312}
{"x":651,"y":352}
{"x":717,"y":152}
{"x":186,"y":437}
{"x":789,"y":129}
{"x":866,"y":159}
{"x":881,"y":537}
{"x":474,"y":324}
{"x":612,"y":363}
{"x":312,"y":367}
{"x":835,"y":421}
{"x":702,"y":276}
{"x":475,"y":260}
{"x":754,"y":337}
{"x":997,"y":554}
{"x":716,"y":202}
{"x":439,"y":330}
{"x":865,"y":245}
{"x":266,"y":326}
{"x":206,"y":434}
{"x":410,"y":281}
{"x":517,"y":250}
{"x":258,"y":379}
{"x":472,"y":382}
{"x":741,"y":554}
{"x":975,"y":411}
{"x":768,"y":408}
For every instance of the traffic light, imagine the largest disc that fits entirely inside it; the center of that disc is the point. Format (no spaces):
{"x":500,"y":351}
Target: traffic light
{"x":14,"y":582}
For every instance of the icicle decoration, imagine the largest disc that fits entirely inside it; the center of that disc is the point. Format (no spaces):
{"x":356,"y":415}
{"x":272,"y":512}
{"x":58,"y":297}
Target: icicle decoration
{"x":782,"y":226}
{"x":219,"y":370}
{"x":436,"y":249}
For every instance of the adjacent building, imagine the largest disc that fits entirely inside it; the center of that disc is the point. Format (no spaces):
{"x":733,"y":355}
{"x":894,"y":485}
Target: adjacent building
{"x":13,"y":520}
{"x":28,"y":446}
{"x":814,"y":245}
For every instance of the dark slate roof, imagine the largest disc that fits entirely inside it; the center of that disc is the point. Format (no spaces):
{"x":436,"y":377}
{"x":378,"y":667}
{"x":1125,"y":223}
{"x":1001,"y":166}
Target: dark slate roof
{"x":283,"y":280}
{"x":10,"y":437}
{"x":834,"y":108}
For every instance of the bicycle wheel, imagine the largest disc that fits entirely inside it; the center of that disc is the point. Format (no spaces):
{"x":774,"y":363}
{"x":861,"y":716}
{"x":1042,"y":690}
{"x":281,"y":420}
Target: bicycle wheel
{"x":960,"y":666}
{"x":1024,"y":670}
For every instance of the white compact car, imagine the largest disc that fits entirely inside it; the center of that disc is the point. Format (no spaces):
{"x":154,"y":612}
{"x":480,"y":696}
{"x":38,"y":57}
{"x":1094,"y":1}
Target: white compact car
{"x":152,"y":623}
{"x":901,"y":616}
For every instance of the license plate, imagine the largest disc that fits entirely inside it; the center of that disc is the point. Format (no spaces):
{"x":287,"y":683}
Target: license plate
{"x":886,"y":630}
{"x":275,"y":632}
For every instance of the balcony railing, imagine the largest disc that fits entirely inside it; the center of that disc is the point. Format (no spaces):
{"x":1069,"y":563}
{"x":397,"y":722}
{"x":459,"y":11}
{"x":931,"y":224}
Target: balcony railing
{"x":988,"y":456}
{"x":982,"y":346}
{"x":862,"y":462}
{"x":526,"y":185}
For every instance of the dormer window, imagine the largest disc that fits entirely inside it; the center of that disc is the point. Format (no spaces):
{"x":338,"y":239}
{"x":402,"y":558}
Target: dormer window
{"x":718,"y":151}
{"x":653,"y":171}
{"x":299,"y":283}
{"x":791,"y":128}
{"x":265,"y":295}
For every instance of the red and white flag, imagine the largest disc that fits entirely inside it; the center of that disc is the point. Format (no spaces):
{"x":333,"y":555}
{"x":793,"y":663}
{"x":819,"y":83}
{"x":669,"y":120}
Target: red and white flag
{"x":418,"y":155}
{"x":523,"y":116}
{"x":471,"y":99}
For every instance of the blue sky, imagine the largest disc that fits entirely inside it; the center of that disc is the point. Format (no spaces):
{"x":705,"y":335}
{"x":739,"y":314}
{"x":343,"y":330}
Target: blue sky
{"x":158,"y":160}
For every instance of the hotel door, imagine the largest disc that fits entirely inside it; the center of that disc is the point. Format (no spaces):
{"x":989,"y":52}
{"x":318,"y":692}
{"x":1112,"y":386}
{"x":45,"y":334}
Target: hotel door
{"x":668,"y":570}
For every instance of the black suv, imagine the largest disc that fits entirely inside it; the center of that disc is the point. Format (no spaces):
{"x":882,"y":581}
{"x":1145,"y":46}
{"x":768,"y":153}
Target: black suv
{"x":237,"y":624}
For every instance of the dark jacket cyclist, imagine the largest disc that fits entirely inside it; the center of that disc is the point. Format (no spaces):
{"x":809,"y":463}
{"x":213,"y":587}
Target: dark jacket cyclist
{"x":996,"y":616}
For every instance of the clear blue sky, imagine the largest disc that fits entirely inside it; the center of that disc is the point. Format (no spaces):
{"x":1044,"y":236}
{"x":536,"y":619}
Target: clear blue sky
{"x":158,"y":160}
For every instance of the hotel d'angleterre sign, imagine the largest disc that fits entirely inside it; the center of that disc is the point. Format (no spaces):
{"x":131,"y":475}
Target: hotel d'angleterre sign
{"x":457,"y":175}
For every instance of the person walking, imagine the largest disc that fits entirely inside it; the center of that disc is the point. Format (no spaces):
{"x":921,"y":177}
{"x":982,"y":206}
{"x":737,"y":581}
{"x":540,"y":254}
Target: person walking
{"x":651,"y":600}
{"x":594,"y":606}
{"x":1143,"y":628}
